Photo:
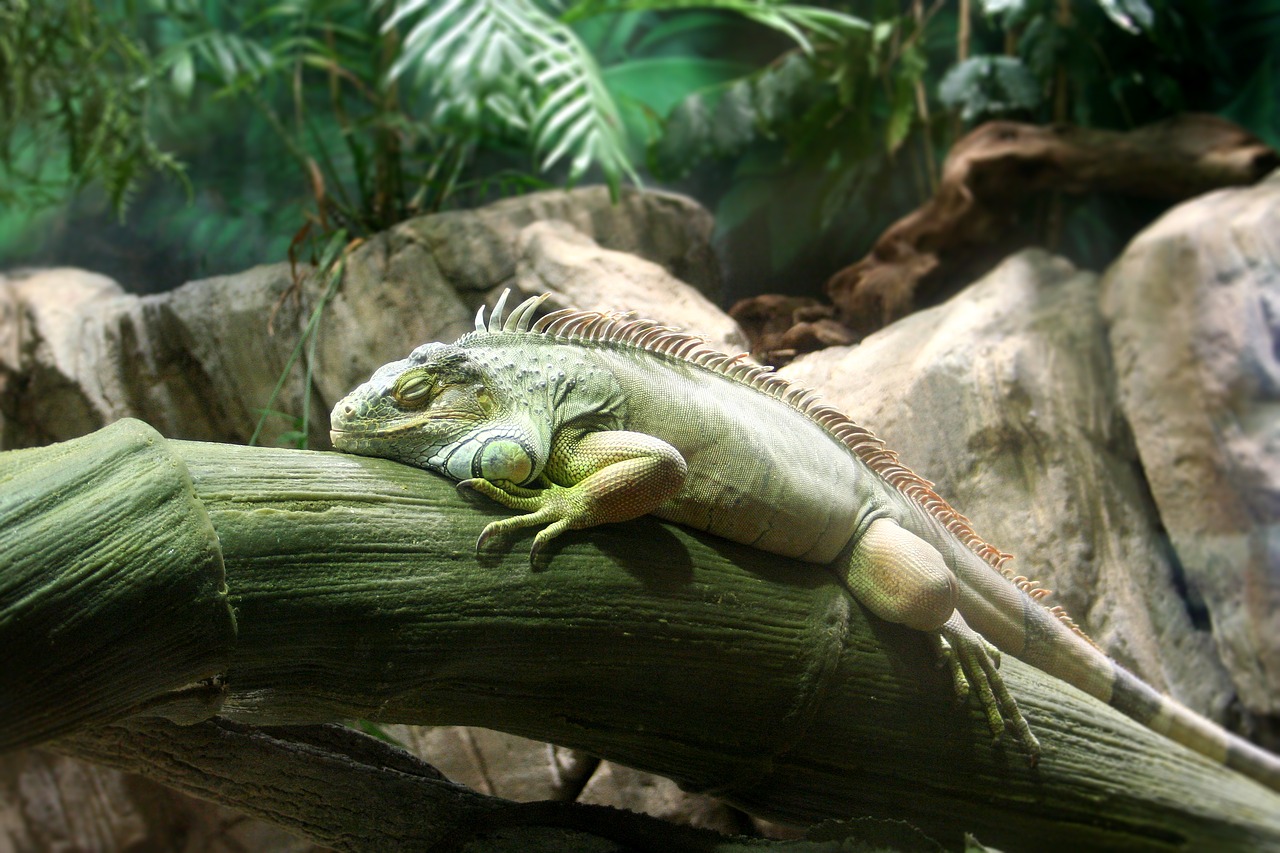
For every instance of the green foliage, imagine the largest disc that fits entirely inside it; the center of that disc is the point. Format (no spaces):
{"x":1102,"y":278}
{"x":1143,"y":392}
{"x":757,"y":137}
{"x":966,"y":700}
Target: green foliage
{"x":815,"y":147}
{"x":513,"y":64}
{"x":807,"y":136}
{"x":807,"y":128}
{"x":330,"y":268}
{"x":72,"y":82}
{"x":990,"y":87}
{"x":373,"y":112}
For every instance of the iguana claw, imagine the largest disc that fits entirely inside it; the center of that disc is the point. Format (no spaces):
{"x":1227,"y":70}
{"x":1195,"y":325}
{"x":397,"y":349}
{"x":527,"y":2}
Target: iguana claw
{"x":974,"y":664}
{"x":553,"y":506}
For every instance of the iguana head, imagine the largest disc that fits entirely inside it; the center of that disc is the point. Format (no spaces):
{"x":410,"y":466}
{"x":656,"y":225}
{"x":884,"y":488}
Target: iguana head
{"x":434,"y":410}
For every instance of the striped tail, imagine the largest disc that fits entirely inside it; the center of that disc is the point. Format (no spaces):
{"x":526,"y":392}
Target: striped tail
{"x":1039,"y":638}
{"x":1136,"y":699}
{"x":1086,"y":667}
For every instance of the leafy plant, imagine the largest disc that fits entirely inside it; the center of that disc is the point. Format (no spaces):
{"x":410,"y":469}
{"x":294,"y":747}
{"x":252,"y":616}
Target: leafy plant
{"x":513,"y":64}
{"x":72,"y":82}
{"x":807,"y":128}
{"x":330,"y":268}
{"x":816,"y":153}
{"x":988,"y":86}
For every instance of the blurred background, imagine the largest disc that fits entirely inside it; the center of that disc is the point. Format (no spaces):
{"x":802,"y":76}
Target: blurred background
{"x":158,"y":141}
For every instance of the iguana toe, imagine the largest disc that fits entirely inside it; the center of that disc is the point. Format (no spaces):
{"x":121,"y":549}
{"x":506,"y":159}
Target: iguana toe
{"x":948,"y":658}
{"x":557,"y":507}
{"x":978,"y":662}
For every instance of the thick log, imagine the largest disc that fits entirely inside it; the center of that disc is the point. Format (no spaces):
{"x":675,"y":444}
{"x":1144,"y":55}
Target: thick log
{"x":351,"y":792}
{"x":112,"y":594}
{"x":358,"y":593}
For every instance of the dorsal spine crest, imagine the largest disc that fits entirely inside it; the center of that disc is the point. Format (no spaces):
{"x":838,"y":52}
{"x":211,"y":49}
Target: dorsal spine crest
{"x":626,"y":330}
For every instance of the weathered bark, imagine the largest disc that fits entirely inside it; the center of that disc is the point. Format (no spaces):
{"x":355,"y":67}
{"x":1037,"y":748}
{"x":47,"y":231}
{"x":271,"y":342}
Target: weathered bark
{"x":987,"y":175}
{"x":357,"y":593}
{"x":352,"y":792}
{"x":111,"y":586}
{"x":991,"y":170}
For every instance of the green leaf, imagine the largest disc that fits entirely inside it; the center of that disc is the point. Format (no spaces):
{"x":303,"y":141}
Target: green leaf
{"x":902,"y":114}
{"x":1133,"y":16}
{"x":182,"y":74}
{"x":508,"y":63}
{"x":662,"y":82}
{"x":676,"y":29}
{"x":989,"y":86}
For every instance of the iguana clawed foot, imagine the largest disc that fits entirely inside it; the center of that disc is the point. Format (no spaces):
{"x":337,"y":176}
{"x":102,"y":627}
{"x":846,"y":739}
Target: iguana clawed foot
{"x":903,"y":579}
{"x":616,"y":476}
{"x":974,"y":663}
{"x":558,"y":507}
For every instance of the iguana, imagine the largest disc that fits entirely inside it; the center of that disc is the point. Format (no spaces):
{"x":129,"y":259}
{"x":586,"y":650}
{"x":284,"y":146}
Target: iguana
{"x":585,"y":418}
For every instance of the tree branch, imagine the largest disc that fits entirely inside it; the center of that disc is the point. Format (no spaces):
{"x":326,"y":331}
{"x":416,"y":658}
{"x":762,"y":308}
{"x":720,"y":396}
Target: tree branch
{"x":357,"y":593}
{"x":349,"y":791}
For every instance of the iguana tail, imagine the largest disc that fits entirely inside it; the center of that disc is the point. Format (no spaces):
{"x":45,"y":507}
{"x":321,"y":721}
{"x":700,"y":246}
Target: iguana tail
{"x":1140,"y":701}
{"x":1058,"y":649}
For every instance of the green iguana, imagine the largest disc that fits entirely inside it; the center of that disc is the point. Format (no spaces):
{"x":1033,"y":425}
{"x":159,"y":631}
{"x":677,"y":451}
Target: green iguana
{"x":585,"y":418}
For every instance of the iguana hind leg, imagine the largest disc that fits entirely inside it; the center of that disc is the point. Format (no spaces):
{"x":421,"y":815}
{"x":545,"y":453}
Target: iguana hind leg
{"x":590,"y":478}
{"x":901,"y":578}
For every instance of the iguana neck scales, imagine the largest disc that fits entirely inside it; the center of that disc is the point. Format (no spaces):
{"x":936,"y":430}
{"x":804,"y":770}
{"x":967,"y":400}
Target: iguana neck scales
{"x":585,"y":418}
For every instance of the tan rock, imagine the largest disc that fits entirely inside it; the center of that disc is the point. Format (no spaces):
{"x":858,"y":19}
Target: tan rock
{"x":557,"y":257}
{"x":53,"y":803}
{"x":1194,"y":308}
{"x":200,"y":362}
{"x":1003,"y":397}
{"x":625,"y":788}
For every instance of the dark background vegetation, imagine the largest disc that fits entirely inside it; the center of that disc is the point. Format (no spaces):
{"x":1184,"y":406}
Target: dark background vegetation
{"x":162,"y":141}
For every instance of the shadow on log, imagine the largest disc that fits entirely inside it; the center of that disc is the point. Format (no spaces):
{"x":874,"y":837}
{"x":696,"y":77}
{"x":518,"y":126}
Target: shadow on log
{"x":357,"y":593}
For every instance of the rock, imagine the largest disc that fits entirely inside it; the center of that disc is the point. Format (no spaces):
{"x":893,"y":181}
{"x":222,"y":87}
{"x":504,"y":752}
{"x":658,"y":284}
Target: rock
{"x":50,"y":802}
{"x":200,"y":362}
{"x":781,"y":327}
{"x":424,"y":279}
{"x":477,"y":249}
{"x":1194,"y":308}
{"x":555,"y":256}
{"x":45,"y":344}
{"x":624,"y":788}
{"x":1004,"y":397}
{"x":494,"y":763}
{"x":516,"y":768}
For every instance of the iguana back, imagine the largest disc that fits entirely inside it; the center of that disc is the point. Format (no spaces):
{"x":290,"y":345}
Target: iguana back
{"x":612,"y":417}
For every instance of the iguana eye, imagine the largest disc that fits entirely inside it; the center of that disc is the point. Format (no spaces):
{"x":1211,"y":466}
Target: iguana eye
{"x":412,"y":389}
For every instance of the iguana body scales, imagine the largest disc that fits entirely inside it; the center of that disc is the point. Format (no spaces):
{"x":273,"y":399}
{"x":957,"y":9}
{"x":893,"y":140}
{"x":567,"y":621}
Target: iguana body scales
{"x":585,"y":418}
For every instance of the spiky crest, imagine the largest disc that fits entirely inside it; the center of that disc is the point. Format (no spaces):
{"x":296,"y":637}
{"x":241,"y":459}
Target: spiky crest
{"x":627,"y":330}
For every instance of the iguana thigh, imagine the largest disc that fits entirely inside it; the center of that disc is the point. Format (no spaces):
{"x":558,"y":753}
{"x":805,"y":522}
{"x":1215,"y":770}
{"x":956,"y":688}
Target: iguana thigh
{"x":902,"y":578}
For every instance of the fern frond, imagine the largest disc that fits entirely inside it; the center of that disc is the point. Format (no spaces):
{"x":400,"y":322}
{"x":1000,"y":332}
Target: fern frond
{"x":509,"y":62}
{"x":801,"y":24}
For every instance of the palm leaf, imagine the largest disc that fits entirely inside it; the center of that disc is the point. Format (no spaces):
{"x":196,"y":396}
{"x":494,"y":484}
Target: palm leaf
{"x":510,"y":62}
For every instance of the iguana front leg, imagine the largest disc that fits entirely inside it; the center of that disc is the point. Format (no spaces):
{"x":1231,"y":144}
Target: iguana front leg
{"x":590,"y":478}
{"x":901,"y":578}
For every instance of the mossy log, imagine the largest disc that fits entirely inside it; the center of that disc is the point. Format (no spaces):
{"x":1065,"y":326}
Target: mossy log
{"x":357,"y":592}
